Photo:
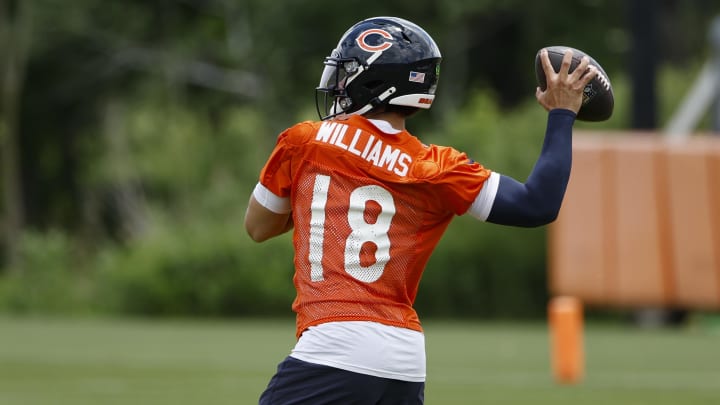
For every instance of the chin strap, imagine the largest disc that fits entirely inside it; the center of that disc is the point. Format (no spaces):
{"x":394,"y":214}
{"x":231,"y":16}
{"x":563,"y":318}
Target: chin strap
{"x":375,"y":101}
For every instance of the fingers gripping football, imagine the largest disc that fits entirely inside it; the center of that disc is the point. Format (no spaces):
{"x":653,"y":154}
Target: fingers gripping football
{"x":564,"y":88}
{"x":561,"y":71}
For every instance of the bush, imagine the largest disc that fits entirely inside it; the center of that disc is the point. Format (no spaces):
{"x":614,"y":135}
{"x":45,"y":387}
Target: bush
{"x":198,"y":270}
{"x":50,"y":277}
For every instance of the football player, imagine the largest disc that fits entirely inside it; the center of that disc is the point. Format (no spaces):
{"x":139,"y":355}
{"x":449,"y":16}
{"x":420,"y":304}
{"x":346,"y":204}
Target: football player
{"x":368,"y":202}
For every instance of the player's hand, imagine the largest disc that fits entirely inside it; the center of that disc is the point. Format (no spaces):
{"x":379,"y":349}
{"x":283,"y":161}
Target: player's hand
{"x":564,"y":89}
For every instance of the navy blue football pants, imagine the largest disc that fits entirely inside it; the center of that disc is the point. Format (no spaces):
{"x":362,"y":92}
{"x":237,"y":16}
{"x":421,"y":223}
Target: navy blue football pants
{"x":299,"y":382}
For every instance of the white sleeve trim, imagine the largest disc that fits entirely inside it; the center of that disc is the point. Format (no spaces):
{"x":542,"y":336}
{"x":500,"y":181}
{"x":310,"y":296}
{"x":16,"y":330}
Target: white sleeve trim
{"x":271,"y":201}
{"x":483,"y":203}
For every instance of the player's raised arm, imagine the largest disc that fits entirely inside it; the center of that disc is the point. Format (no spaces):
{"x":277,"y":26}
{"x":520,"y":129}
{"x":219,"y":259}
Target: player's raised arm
{"x":537,"y":201}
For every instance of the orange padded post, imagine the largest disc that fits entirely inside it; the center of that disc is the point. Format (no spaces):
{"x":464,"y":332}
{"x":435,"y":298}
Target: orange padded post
{"x":714,"y":190}
{"x":565,"y":315}
{"x":690,"y":181}
{"x":638,"y":271}
{"x":578,"y":252}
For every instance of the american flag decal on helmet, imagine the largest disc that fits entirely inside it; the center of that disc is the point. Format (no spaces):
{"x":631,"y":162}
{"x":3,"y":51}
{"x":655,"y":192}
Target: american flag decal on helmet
{"x":417,"y":77}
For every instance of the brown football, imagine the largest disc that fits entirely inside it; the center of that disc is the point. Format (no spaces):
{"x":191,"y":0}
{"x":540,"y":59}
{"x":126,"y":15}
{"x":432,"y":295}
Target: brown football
{"x":598,"y":99}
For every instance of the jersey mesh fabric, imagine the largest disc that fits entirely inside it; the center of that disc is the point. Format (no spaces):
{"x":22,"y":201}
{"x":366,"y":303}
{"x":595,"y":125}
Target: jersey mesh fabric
{"x":368,"y":208}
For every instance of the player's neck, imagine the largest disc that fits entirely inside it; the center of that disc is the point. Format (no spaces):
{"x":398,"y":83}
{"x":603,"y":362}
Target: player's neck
{"x":395,"y":120}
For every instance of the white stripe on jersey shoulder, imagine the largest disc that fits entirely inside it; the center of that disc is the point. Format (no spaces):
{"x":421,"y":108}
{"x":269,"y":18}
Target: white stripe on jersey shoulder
{"x":483,"y":203}
{"x":271,"y":201}
{"x":384,"y":126}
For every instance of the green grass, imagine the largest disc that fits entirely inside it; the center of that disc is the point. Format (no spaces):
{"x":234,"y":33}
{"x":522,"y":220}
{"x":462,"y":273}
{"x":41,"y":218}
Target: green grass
{"x":66,"y":361}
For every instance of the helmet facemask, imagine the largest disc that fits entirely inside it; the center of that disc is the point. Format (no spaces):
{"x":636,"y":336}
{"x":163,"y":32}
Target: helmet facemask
{"x":331,"y":97}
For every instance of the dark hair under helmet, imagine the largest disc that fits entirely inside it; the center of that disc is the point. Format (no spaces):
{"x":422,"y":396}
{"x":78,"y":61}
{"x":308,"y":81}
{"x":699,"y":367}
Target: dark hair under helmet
{"x":379,"y":61}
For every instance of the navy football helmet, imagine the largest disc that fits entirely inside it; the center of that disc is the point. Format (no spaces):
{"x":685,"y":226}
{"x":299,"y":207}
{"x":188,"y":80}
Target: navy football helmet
{"x":379,"y":61}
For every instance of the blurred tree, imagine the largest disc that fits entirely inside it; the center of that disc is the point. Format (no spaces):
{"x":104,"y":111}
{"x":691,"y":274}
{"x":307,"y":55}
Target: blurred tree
{"x":124,"y":184}
{"x":643,"y":63}
{"x":15,"y":31}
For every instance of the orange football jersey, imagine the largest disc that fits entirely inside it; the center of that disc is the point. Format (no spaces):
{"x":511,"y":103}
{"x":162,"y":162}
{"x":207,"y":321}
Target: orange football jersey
{"x":368,"y":208}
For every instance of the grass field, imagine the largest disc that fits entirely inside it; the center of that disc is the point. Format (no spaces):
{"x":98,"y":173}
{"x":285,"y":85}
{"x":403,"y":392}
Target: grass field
{"x":66,"y":361}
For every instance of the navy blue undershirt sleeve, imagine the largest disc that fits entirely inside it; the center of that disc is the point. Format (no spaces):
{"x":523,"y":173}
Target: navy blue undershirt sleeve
{"x":537,"y":202}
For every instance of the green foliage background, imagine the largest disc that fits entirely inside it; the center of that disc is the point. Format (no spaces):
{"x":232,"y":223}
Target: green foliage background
{"x":143,"y":127}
